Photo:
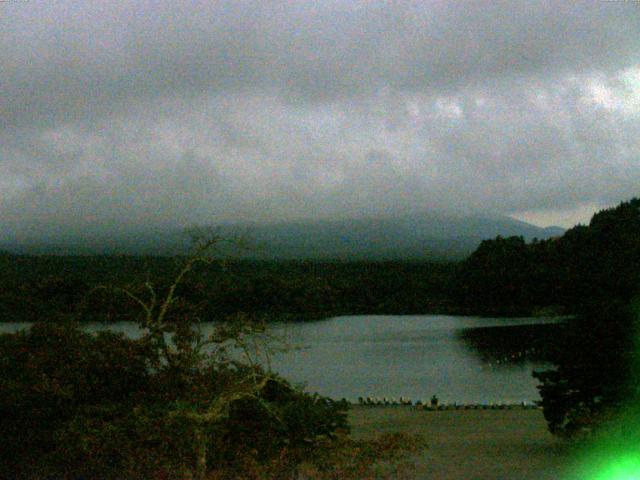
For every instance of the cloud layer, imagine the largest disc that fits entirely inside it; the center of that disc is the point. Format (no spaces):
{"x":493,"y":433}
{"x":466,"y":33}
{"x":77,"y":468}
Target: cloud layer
{"x":168,"y":113}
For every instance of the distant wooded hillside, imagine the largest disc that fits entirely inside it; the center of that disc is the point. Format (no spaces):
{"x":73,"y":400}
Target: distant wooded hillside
{"x":411,"y":237}
{"x":595,"y":263}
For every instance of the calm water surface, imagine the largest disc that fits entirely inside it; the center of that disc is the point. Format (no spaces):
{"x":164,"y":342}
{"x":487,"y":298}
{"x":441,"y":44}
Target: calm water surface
{"x":412,"y":356}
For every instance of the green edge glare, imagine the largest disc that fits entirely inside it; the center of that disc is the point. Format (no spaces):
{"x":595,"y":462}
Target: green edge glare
{"x":616,"y":455}
{"x":625,"y":468}
{"x":609,"y":461}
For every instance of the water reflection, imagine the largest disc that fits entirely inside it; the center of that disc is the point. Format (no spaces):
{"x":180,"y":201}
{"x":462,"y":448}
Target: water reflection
{"x":509,"y":345}
{"x":461,"y":359}
{"x":416,"y":357}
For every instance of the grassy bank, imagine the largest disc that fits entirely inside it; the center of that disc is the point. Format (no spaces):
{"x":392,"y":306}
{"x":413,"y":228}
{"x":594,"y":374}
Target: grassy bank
{"x":472,"y":444}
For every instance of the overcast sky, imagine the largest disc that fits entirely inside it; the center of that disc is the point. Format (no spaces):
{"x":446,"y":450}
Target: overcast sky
{"x":171,"y":113}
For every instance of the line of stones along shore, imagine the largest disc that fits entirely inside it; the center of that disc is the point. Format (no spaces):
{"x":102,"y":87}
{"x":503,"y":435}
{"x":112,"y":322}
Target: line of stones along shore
{"x":435,"y":405}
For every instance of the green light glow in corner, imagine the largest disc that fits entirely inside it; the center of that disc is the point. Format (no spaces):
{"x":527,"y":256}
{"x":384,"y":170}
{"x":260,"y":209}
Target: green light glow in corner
{"x":625,"y":468}
{"x":614,"y":454}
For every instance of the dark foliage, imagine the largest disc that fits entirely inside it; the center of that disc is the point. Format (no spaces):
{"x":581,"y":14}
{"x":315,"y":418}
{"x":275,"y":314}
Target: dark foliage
{"x":588,"y":264}
{"x":76,"y":405}
{"x":596,"y":375}
{"x":46,"y":288}
{"x":494,"y":275}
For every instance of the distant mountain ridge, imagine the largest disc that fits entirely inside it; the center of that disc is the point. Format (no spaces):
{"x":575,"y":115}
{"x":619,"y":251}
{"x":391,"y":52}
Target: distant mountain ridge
{"x":406,"y":237}
{"x":425,"y":236}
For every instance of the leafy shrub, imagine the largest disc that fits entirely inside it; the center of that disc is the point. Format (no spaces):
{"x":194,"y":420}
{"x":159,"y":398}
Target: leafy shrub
{"x":76,"y":405}
{"x":596,"y":372}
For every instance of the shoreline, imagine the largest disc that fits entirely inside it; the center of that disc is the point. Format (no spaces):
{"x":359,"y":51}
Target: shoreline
{"x":310,"y":317}
{"x":442,"y":407}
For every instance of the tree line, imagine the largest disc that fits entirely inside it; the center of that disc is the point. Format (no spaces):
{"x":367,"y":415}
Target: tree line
{"x":46,"y":288}
{"x":589,"y":263}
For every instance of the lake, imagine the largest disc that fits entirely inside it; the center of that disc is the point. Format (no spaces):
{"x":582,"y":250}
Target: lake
{"x":459,"y":359}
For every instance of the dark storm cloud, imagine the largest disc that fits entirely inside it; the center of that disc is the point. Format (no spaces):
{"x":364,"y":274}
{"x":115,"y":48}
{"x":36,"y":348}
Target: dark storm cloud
{"x":73,"y":56}
{"x":174,"y":112}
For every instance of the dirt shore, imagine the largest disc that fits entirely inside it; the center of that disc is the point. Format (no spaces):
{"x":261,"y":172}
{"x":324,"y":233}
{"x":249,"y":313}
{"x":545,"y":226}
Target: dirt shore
{"x":472,"y":444}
